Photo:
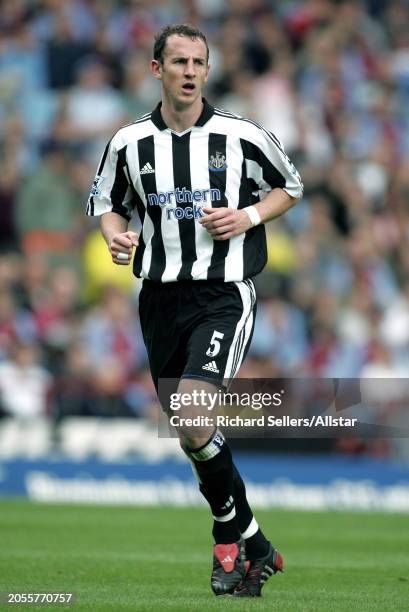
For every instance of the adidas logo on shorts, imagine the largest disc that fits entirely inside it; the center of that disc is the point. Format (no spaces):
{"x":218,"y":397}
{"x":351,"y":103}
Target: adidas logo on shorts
{"x":211,"y":367}
{"x":147,"y":169}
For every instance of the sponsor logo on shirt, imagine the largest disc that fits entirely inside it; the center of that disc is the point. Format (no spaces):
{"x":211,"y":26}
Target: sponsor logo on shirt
{"x":189,"y":212}
{"x":168,"y":199}
{"x":182,"y":196}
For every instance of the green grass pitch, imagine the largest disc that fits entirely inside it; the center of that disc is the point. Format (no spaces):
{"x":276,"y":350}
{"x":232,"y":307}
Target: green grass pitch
{"x":154,"y":559}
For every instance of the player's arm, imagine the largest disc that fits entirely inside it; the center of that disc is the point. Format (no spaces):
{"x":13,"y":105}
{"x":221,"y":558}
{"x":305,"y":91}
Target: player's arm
{"x":111,"y":199}
{"x":279,"y":186}
{"x":119,"y":239}
{"x":224,"y":223}
{"x":274,"y":204}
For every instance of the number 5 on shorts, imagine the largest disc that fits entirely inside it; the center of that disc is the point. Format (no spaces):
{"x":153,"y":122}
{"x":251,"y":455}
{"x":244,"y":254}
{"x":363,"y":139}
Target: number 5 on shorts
{"x":214,"y":347}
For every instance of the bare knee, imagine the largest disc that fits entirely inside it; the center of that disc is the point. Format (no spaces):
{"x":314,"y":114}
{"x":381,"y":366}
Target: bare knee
{"x":194,"y":431}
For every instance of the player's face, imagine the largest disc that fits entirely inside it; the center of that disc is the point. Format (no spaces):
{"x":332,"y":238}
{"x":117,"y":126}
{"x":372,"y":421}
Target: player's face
{"x":184,"y":69}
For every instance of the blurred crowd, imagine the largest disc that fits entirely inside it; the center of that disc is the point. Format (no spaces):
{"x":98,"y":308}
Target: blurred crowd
{"x":330,"y":78}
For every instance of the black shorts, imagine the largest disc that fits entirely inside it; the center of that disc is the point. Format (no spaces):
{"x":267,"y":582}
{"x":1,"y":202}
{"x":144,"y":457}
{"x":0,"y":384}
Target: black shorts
{"x":197,"y":329}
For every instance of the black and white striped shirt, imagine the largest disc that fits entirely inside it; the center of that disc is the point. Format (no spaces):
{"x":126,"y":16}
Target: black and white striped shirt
{"x":169,"y":177}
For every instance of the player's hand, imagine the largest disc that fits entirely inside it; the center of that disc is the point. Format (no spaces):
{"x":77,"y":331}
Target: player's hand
{"x":121,"y":247}
{"x":224,"y":223}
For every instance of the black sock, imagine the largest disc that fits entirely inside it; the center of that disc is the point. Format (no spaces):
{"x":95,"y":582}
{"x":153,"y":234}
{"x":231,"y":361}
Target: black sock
{"x":214,"y":467}
{"x":256,"y":543}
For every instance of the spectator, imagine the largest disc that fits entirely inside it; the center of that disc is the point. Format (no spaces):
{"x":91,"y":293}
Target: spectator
{"x":46,"y":228}
{"x":24,"y":384}
{"x":91,"y":111}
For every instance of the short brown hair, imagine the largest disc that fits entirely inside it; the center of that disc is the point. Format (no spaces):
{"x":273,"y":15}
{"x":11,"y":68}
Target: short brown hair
{"x":183,"y":29}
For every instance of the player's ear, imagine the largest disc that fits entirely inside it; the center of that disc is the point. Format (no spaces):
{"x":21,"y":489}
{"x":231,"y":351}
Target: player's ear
{"x":156,"y":69}
{"x":207,"y":72}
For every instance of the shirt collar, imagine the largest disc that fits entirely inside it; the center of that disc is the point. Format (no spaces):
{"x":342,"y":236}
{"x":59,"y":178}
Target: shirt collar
{"x":206,"y":114}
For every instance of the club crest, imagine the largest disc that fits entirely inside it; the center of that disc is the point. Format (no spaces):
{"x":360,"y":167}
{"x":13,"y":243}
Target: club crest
{"x":217,"y":163}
